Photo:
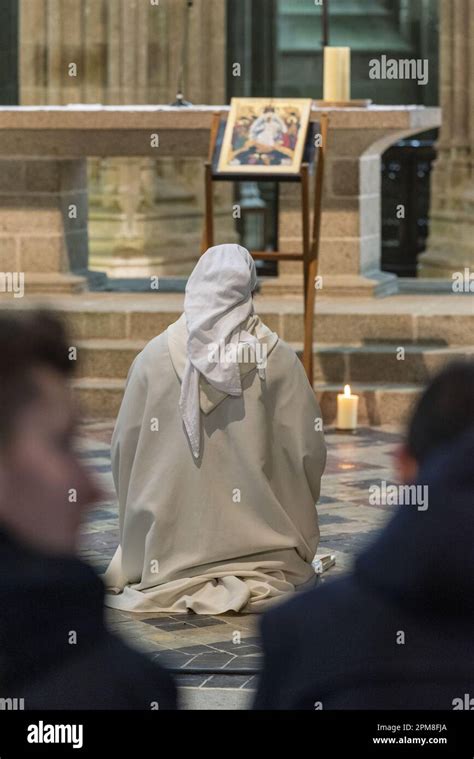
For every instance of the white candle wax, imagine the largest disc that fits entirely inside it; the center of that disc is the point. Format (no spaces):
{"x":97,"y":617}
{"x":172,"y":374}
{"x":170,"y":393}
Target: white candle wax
{"x":347,"y":405}
{"x":337,"y":74}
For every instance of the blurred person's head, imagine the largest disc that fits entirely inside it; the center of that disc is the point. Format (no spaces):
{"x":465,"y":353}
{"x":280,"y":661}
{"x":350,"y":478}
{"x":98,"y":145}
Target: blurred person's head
{"x":444,"y":412}
{"x":44,"y":488}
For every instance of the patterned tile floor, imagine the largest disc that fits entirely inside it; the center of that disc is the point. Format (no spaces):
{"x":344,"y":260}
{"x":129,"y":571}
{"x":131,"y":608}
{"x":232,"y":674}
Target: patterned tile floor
{"x":228,"y":644}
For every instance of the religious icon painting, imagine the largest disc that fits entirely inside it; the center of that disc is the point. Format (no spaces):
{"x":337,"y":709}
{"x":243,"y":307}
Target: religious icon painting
{"x":264,"y":136}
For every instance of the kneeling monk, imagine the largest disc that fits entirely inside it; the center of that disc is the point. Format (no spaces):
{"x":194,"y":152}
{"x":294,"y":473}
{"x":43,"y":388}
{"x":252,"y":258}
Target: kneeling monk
{"x":217,"y":457}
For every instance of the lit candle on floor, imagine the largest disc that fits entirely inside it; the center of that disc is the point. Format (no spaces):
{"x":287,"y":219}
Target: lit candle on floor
{"x":337,"y":74}
{"x":347,"y":405}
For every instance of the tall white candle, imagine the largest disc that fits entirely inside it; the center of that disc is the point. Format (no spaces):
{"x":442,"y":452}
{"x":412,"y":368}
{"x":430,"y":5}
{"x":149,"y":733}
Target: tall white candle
{"x":337,"y":74}
{"x":347,"y":405}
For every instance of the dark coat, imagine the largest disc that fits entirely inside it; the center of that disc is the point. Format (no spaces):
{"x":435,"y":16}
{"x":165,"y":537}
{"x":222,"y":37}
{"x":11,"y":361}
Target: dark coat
{"x":55,"y":651}
{"x":340,"y":645}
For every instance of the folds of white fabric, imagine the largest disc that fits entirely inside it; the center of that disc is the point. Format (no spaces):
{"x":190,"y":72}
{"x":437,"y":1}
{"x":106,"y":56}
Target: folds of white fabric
{"x":237,"y":528}
{"x":240,"y":587}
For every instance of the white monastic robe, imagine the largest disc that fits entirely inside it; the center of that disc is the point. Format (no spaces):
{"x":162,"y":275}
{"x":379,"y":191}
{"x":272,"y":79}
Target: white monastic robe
{"x":236,"y":528}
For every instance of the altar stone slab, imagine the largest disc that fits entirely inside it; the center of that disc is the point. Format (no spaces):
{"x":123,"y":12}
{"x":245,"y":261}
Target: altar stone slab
{"x":43,"y":186}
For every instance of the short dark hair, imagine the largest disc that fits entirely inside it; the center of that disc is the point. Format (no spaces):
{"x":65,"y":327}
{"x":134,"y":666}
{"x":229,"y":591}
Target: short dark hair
{"x":444,"y":412}
{"x":29,"y":340}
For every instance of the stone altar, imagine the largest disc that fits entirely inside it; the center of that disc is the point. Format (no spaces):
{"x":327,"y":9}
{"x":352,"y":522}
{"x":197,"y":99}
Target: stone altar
{"x":43,"y":186}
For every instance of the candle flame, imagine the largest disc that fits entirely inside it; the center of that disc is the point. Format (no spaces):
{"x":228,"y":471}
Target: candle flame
{"x":347,"y":390}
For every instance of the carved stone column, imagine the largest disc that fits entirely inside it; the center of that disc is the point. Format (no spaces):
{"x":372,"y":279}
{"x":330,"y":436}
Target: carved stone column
{"x":451,"y":241}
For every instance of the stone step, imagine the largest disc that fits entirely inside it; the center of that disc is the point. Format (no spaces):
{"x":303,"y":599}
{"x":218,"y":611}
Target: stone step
{"x":381,"y":363}
{"x":98,"y":398}
{"x":333,"y":363}
{"x":106,"y":359}
{"x":443,"y":319}
{"x":357,"y":341}
{"x":400,"y":329}
{"x":379,"y":403}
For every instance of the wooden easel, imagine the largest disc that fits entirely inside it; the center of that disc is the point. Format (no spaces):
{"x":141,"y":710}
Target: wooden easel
{"x":310,"y":237}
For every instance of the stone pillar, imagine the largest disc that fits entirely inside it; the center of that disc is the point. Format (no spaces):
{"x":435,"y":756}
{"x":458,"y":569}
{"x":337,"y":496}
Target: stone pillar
{"x":451,"y":241}
{"x":145,"y":215}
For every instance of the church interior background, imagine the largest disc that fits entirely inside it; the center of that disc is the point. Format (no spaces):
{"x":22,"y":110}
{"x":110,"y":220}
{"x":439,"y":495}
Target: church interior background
{"x":387,"y":278}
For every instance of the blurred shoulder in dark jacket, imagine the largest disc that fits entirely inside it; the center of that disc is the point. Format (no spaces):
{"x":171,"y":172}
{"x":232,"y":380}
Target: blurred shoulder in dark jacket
{"x":398,"y":632}
{"x":55,"y":650}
